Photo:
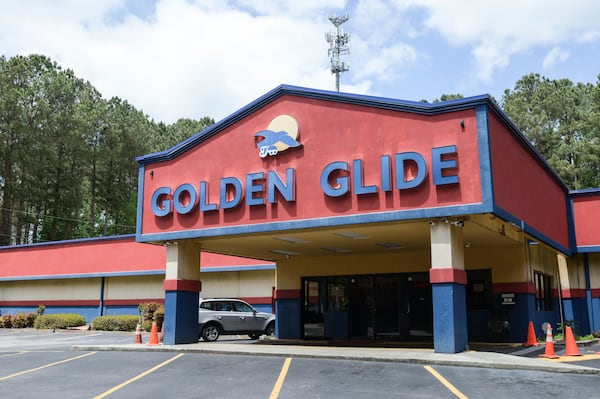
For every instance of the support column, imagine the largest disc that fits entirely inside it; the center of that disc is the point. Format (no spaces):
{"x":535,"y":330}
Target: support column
{"x":565,"y":289}
{"x":182,"y":287}
{"x":448,"y":279}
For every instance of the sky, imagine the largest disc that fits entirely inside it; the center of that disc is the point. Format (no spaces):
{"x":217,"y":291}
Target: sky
{"x":177,"y":59}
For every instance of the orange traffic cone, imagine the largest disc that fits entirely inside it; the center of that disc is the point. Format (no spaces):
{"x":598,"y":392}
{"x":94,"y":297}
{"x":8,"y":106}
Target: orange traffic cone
{"x":570,"y":344}
{"x":138,"y":334}
{"x":153,"y":335}
{"x":531,"y":338}
{"x":549,"y":352}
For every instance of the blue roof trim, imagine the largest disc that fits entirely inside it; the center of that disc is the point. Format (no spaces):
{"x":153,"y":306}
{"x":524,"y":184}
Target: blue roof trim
{"x":485,"y":158}
{"x":530,"y":230}
{"x":585,"y":193}
{"x":332,"y":221}
{"x":140,"y":200}
{"x":333,"y":96}
{"x":588,"y":249}
{"x":239,"y":268}
{"x":85,"y":275}
{"x":571,"y":224}
{"x":74,"y":241}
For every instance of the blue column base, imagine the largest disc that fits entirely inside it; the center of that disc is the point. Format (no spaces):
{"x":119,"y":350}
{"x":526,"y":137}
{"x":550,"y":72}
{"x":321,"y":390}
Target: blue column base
{"x":287,"y":324}
{"x":449,"y":318}
{"x":181,"y":317}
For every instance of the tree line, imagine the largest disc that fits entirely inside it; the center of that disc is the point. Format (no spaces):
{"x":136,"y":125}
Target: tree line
{"x":67,"y":155}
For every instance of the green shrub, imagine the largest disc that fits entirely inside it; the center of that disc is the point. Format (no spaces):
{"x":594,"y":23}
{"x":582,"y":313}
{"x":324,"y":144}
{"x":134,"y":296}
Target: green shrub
{"x":6,"y":321}
{"x":59,"y":320}
{"x":22,"y":320}
{"x":152,"y":311}
{"x":115,"y":323}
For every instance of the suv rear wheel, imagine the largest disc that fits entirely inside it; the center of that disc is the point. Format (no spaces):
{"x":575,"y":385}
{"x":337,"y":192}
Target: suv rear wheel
{"x":270,"y":330}
{"x":210,"y":332}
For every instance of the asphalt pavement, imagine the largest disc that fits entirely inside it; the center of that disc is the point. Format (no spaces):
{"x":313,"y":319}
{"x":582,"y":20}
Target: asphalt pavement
{"x":506,"y":356}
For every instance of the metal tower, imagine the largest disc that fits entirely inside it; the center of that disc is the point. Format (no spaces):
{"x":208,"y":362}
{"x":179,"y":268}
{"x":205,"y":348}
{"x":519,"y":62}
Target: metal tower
{"x":338,"y":45}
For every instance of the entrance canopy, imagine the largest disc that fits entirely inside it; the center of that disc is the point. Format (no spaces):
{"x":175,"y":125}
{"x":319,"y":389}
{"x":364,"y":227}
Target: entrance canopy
{"x":307,"y":172}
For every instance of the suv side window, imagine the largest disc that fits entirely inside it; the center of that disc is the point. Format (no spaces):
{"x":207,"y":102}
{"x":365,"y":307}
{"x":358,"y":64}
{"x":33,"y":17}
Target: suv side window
{"x":242,"y":307}
{"x":208,"y":305}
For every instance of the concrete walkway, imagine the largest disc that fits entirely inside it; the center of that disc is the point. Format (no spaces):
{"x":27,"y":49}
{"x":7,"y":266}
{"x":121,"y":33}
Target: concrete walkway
{"x":471,"y":358}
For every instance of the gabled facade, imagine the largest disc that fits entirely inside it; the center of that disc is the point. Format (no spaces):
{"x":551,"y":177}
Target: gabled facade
{"x":386,"y":219}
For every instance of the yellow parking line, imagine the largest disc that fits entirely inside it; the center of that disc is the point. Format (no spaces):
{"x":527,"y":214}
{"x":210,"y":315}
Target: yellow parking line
{"x":45,"y":366}
{"x":446,"y":383}
{"x":137,"y":377}
{"x":280,"y":379}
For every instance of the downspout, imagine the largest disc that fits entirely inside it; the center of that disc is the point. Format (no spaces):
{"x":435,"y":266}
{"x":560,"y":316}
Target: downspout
{"x":101,"y":304}
{"x":588,"y":292}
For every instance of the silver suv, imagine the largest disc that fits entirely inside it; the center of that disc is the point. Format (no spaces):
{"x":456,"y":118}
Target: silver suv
{"x":232,"y":316}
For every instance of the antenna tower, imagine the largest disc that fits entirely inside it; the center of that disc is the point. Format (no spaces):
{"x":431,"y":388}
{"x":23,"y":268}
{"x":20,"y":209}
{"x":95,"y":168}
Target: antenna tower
{"x":338,"y":45}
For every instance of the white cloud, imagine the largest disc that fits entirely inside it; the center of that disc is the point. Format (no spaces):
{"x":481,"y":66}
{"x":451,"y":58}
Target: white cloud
{"x":190,"y":60}
{"x":497,"y":30}
{"x":195,"y":58}
{"x":554,"y":56}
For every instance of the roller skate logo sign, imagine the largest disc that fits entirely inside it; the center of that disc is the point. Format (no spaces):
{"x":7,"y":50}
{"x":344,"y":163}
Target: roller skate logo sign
{"x":280,"y":135}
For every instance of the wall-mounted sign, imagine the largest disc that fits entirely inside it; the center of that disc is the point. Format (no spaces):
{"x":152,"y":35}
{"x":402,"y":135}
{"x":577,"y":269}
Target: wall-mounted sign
{"x":280,"y":135}
{"x":337,"y":179}
{"x":508,"y":299}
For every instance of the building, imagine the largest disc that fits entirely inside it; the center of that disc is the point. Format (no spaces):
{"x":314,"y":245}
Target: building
{"x":385,"y":220}
{"x":113,"y":275}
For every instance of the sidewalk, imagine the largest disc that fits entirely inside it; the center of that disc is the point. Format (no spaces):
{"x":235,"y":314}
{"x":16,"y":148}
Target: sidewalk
{"x":518,"y":360}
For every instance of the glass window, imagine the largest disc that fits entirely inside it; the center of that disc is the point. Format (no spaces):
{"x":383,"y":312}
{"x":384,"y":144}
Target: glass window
{"x":242,"y":307}
{"x":543,"y":291}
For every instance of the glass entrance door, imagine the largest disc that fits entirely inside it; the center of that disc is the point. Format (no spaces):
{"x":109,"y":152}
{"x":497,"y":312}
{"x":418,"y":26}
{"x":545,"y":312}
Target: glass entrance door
{"x":361,"y":307}
{"x":314,"y":298}
{"x":391,"y":307}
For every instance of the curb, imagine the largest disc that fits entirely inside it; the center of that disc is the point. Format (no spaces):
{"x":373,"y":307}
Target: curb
{"x":517,"y":364}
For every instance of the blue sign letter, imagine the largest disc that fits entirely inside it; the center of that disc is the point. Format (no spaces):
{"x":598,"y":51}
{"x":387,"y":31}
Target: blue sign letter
{"x":439,"y":165}
{"x":287,"y":189}
{"x":418,"y":159}
{"x":341,"y":185}
{"x":359,"y":178}
{"x":180,"y":207}
{"x":236,"y":189}
{"x":161,"y":207}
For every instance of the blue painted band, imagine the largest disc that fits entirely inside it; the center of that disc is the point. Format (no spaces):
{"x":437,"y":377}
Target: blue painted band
{"x":317,"y":222}
{"x":85,"y":275}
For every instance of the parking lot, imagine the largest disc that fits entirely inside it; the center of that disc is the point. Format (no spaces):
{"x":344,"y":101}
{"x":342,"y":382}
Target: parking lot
{"x":43,"y":364}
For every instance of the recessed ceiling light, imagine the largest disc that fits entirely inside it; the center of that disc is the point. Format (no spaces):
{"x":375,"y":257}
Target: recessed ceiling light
{"x":390,"y":245}
{"x":284,"y":252}
{"x":353,"y":236}
{"x":336,"y":249}
{"x":292,"y":240}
